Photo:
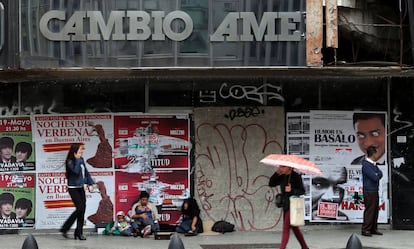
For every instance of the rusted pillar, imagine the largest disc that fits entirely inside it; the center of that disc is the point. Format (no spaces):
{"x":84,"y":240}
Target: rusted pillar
{"x":331,"y":16}
{"x":314,"y":32}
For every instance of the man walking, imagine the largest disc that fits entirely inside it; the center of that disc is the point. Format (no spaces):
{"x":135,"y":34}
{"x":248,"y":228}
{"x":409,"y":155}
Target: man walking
{"x":371,"y":176}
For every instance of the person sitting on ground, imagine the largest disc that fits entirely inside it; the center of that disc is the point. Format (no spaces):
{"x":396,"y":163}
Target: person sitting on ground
{"x":145,"y":215}
{"x":123,"y":225}
{"x":190,"y":222}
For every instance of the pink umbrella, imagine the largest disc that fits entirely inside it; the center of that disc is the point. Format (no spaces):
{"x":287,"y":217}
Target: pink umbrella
{"x":299,"y":164}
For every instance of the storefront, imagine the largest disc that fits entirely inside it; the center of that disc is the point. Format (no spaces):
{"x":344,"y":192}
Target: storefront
{"x":231,"y":71}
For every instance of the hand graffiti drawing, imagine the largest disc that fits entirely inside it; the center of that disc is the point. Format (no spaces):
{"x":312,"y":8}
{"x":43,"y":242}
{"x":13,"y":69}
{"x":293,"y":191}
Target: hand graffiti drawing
{"x":230,"y":182}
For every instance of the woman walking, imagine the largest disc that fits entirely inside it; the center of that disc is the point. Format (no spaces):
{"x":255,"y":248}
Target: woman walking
{"x":77,"y":175}
{"x":290,"y":184}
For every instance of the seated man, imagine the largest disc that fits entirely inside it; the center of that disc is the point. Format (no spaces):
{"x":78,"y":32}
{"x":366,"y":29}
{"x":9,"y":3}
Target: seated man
{"x":145,"y":215}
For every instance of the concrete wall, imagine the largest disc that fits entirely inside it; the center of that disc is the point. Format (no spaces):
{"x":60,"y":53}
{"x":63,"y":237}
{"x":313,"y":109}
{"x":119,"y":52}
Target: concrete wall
{"x":230,"y":182}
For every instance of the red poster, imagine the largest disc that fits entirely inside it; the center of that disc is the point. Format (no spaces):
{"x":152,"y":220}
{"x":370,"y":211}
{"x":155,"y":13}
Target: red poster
{"x":328,"y":210}
{"x":146,"y":142}
{"x":167,"y":189}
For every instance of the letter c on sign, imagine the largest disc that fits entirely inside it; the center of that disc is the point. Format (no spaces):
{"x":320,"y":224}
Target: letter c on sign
{"x":44,"y":21}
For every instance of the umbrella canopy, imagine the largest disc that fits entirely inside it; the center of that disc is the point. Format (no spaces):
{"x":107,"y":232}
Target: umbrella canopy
{"x":299,"y":164}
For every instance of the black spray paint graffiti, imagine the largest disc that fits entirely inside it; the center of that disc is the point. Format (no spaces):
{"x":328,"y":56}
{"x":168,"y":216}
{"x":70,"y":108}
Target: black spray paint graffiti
{"x":27,"y":110}
{"x":245,"y":112}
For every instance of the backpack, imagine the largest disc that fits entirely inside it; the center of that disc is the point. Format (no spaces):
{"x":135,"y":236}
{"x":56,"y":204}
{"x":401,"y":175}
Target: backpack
{"x":222,"y":226}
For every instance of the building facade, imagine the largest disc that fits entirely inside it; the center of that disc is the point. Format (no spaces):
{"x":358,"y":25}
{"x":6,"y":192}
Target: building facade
{"x":227,"y":66}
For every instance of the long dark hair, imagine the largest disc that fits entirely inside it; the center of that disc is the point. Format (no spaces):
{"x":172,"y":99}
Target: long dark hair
{"x":192,"y":210}
{"x":71,"y":155}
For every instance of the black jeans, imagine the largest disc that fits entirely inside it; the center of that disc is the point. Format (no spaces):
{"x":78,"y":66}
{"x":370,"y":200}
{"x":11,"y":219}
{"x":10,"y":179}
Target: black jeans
{"x":79,"y":199}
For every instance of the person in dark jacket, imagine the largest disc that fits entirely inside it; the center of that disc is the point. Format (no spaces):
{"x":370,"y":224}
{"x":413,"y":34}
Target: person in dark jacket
{"x":371,"y":176}
{"x":290,"y":184}
{"x":77,"y":175}
{"x":190,"y":221}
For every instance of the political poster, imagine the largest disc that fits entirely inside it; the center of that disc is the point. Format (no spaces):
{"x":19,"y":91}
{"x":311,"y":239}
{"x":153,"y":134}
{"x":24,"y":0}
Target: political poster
{"x":16,"y":145}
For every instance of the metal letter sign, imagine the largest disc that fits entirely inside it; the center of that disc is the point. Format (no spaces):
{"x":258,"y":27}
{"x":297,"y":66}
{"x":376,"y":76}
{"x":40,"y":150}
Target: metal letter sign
{"x":288,"y":22}
{"x":157,"y":25}
{"x":139,"y":25}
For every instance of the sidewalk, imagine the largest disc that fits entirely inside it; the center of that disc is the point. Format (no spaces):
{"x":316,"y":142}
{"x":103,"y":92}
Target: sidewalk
{"x":317,"y":237}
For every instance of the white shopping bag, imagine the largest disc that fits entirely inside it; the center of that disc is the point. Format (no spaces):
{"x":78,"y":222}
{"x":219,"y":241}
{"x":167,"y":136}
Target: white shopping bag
{"x":297,"y":211}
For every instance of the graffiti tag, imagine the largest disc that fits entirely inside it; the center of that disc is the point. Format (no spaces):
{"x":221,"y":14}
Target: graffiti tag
{"x":27,"y":110}
{"x":246,"y":112}
{"x":254,"y":93}
{"x":406,"y":124}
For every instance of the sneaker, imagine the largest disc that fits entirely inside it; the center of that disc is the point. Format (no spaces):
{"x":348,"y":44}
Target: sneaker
{"x":146,"y":231}
{"x":190,"y":233}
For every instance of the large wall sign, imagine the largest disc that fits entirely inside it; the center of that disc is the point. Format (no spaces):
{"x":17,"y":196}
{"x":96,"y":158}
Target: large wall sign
{"x":141,"y":22}
{"x":157,"y":33}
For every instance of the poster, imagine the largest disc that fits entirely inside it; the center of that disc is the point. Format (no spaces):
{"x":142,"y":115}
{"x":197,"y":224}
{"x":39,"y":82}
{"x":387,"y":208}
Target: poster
{"x":17,"y":198}
{"x":333,"y":137}
{"x":152,"y":155}
{"x":53,"y":135}
{"x":167,"y":189}
{"x":338,"y":143}
{"x":298,"y":139}
{"x":144,"y":143}
{"x":55,"y":205}
{"x":16,"y":146}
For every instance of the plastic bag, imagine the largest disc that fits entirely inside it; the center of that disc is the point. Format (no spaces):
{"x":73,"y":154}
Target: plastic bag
{"x":297,"y":211}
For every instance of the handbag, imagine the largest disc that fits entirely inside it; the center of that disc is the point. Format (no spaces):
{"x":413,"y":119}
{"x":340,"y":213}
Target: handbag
{"x":297,"y":211}
{"x":279,"y":200}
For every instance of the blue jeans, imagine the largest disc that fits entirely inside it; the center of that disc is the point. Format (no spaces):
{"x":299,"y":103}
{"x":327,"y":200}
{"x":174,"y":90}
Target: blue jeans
{"x":155,"y":227}
{"x":185,"y":226}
